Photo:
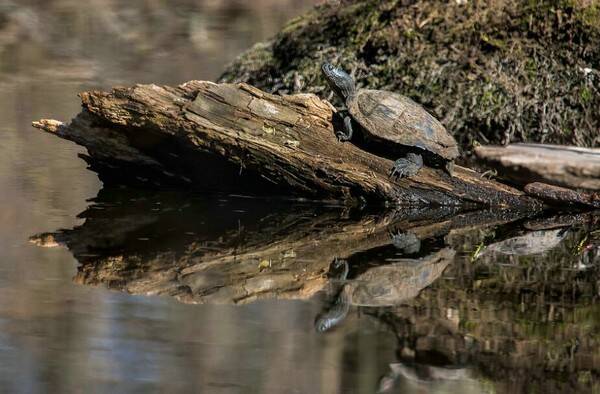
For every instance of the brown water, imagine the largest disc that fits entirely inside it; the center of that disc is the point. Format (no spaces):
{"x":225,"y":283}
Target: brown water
{"x":165,"y":292}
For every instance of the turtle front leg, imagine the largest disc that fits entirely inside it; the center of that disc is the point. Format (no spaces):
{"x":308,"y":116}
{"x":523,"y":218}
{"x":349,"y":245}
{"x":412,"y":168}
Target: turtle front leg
{"x":341,"y":136}
{"x":407,"y":166}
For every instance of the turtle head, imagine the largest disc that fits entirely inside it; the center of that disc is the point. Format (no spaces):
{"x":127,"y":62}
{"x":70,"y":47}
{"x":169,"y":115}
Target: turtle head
{"x":339,"y":80}
{"x":324,"y":323}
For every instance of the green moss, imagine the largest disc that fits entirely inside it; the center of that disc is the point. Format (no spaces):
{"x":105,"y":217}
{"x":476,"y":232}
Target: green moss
{"x":584,"y":377}
{"x":586,"y":95}
{"x":485,"y":68}
{"x":468,"y":326}
{"x":589,"y":13}
{"x":531,"y":69}
{"x":488,"y":99}
{"x":297,"y":23}
{"x":493,"y":42}
{"x":409,"y":33}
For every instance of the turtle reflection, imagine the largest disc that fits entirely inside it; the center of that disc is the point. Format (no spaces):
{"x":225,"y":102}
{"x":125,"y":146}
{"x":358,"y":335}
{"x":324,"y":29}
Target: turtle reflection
{"x":590,"y":250}
{"x":421,"y":373}
{"x":384,"y":285}
{"x":531,"y":243}
{"x":407,"y":242}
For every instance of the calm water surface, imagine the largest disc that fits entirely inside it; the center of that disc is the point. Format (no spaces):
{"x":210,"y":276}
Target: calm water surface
{"x":165,"y":292}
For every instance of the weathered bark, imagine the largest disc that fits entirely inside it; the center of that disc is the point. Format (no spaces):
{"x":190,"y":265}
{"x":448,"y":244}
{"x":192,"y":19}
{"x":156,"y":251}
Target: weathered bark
{"x":561,"y":195}
{"x":236,"y":251}
{"x":577,"y":168}
{"x":237,"y":138}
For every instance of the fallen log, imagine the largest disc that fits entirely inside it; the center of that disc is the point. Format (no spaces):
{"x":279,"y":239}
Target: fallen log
{"x":560,"y":195}
{"x":227,"y":137}
{"x":567,"y":166}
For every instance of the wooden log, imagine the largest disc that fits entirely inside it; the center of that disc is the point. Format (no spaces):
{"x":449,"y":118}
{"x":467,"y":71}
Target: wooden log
{"x":237,"y":138}
{"x":560,"y":195}
{"x":567,"y":166}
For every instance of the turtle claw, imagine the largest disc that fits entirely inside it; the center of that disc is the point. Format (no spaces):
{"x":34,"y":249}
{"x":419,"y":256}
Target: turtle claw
{"x":407,"y":166}
{"x":347,"y":135}
{"x":339,"y":268}
{"x":342,"y":137}
{"x":396,"y":172}
{"x":339,"y":263}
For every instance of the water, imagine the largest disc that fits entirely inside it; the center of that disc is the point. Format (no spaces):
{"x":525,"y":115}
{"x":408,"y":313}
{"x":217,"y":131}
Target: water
{"x":165,"y":292}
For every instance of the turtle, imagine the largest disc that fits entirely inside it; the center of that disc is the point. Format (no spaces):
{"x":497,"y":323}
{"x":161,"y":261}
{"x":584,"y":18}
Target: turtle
{"x":421,"y":373}
{"x":383,"y":285}
{"x":393,"y":122}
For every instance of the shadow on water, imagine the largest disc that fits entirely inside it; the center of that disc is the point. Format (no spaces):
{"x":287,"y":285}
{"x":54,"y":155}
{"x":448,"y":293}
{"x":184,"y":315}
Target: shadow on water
{"x":490,"y":298}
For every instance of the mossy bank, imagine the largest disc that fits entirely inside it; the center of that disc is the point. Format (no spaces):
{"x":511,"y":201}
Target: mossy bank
{"x":528,"y":70}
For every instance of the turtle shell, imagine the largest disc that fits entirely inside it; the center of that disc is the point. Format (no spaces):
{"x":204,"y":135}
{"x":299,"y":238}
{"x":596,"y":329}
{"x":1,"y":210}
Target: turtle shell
{"x":390,"y":117}
{"x":394,"y":283}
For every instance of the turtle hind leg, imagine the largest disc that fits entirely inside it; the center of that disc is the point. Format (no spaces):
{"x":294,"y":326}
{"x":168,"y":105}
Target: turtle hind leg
{"x":407,"y":166}
{"x":346,"y":136}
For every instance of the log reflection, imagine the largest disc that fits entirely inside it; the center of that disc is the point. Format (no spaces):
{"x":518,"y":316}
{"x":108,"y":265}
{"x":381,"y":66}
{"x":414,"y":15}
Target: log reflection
{"x":232,"y":249}
{"x":516,"y":319}
{"x":526,"y":320}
